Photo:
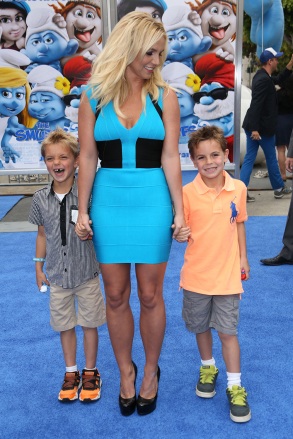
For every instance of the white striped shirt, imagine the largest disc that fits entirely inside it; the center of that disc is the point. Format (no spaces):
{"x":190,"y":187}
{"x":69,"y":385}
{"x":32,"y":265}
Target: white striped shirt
{"x":69,"y":261}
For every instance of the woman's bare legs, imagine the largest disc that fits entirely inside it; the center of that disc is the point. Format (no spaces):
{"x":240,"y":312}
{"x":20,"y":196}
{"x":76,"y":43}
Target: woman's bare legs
{"x":150,"y":278}
{"x":116,"y":278}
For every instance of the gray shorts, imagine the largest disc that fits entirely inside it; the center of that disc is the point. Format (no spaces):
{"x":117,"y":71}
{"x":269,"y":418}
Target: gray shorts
{"x":90,"y":311}
{"x":201,"y":312}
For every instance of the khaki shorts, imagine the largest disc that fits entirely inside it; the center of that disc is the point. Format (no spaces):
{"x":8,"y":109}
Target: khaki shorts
{"x":82,"y":305}
{"x":201,"y":312}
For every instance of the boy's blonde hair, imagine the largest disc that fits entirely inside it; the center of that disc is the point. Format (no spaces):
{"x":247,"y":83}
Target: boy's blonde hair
{"x":133,"y":35}
{"x":211,"y":132}
{"x":60,"y":136}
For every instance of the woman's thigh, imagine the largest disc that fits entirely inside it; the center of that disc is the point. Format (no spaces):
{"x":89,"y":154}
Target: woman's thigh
{"x":150,"y":278}
{"x":116,"y":279}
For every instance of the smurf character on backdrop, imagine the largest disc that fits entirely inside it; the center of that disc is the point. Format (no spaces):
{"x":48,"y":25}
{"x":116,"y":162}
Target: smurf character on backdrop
{"x":267,"y":23}
{"x":186,"y":83}
{"x":218,"y":21}
{"x":78,"y":71}
{"x":47,"y":108}
{"x":46,"y":102}
{"x":14,"y":97}
{"x":185,"y":37}
{"x":214,"y":103}
{"x":46,"y":43}
{"x":82,"y":20}
{"x":155,"y":8}
{"x":72,"y":101}
{"x":13,"y":24}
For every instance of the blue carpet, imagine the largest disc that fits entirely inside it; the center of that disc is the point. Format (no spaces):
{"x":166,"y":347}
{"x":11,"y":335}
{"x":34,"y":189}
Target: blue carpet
{"x":32,"y":366}
{"x":7,"y":203}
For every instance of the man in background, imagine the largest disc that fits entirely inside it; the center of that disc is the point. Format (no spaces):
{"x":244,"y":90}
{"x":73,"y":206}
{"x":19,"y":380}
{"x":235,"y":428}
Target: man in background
{"x":261,"y":119}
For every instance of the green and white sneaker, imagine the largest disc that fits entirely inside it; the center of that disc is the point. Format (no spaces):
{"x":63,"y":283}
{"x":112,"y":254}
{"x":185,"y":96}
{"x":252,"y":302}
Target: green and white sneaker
{"x":205,"y":387}
{"x":239,"y":408}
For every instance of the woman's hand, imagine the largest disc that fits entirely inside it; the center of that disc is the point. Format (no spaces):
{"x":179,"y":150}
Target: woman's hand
{"x":83,"y":227}
{"x":181,"y":232}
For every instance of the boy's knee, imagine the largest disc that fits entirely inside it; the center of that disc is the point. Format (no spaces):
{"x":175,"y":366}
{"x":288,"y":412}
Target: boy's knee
{"x":226,"y":338}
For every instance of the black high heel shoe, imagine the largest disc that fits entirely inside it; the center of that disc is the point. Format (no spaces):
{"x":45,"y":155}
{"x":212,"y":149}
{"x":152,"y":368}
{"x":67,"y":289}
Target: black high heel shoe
{"x":147,"y":406}
{"x":127,"y":405}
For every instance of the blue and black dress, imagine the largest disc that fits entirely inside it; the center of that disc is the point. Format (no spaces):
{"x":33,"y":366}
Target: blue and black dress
{"x":131,"y":207}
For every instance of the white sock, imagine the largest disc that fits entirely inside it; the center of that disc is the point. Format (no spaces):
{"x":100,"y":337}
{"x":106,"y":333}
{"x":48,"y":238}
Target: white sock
{"x":86,"y":368}
{"x":71,"y":369}
{"x":210,"y":362}
{"x":233,"y":379}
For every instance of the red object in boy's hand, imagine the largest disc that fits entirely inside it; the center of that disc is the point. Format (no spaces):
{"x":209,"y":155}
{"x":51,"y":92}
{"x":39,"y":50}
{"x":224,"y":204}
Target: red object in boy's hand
{"x":243,"y":275}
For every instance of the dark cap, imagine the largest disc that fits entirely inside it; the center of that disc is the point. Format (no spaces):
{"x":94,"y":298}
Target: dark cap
{"x":20,"y":5}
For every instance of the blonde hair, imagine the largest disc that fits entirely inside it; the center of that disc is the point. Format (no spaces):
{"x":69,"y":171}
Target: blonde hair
{"x":133,"y":35}
{"x":60,"y":136}
{"x":13,"y":77}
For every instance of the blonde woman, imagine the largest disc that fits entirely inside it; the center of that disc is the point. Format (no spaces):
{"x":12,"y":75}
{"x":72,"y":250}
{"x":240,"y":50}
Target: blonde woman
{"x":129,"y":119}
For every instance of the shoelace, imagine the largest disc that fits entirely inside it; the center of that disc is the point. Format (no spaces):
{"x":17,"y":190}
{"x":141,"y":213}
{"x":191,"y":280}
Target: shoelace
{"x":70,"y":381}
{"x":90,"y":382}
{"x":238,"y":396}
{"x":207,"y":376}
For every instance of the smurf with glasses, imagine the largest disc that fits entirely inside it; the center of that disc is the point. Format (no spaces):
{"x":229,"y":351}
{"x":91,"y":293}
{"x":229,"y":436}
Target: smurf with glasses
{"x":214,"y":103}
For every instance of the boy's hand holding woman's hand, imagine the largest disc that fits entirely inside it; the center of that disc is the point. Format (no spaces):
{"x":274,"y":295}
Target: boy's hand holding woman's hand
{"x":181,"y":232}
{"x":83,"y":227}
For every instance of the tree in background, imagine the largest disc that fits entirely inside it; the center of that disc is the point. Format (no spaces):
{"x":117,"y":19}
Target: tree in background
{"x":249,"y":48}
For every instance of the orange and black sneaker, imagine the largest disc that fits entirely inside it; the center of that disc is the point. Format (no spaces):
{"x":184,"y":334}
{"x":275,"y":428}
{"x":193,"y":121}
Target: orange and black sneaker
{"x":90,"y":386}
{"x":70,"y":386}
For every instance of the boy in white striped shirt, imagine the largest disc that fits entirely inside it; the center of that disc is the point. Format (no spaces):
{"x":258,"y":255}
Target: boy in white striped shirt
{"x":72,"y":271}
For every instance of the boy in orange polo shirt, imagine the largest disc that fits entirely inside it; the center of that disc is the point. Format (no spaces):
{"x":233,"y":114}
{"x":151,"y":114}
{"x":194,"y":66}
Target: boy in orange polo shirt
{"x":214,"y":263}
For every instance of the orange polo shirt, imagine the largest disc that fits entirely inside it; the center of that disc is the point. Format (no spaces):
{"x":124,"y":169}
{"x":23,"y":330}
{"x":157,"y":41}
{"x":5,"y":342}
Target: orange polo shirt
{"x":212,"y":259}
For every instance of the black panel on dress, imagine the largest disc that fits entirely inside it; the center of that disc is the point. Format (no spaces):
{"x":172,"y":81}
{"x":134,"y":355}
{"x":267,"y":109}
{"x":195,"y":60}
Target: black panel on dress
{"x":148,"y":153}
{"x":110,"y":153}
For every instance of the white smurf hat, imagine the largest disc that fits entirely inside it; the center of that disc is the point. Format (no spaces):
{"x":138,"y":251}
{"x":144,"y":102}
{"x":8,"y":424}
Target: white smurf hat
{"x":180,"y":76}
{"x":13,"y":58}
{"x":46,"y":78}
{"x":175,"y":18}
{"x":40,"y":20}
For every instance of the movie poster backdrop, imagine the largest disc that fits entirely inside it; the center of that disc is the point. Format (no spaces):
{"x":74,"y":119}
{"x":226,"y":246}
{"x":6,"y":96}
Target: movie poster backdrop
{"x":47,"y":48}
{"x":46,"y":51}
